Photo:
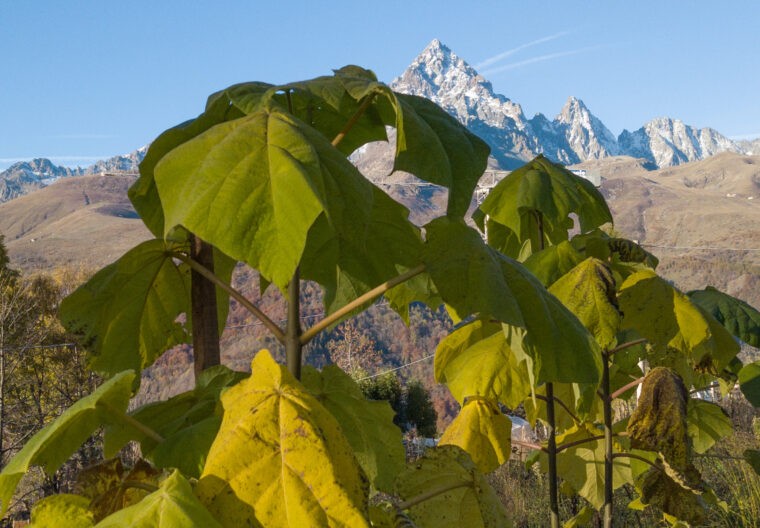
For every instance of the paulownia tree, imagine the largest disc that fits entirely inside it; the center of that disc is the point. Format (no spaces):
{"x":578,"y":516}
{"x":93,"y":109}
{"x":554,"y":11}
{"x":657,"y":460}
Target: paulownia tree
{"x":262,"y":177}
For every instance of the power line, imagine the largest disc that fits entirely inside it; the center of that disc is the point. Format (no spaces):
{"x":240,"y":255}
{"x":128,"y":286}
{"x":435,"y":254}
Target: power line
{"x":397,"y":368}
{"x":706,"y":248}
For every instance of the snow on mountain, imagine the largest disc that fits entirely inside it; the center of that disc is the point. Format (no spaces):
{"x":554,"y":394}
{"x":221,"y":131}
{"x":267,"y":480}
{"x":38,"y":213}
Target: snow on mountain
{"x":443,"y":77}
{"x":666,"y":142}
{"x":585,"y":133}
{"x":575,"y":135}
{"x":27,"y":176}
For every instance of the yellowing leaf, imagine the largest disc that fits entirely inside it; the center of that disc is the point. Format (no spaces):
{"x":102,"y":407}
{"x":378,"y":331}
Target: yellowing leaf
{"x":368,"y":425}
{"x":465,"y":498}
{"x":280,"y":458}
{"x":588,"y":290}
{"x":56,"y":442}
{"x":110,"y":488}
{"x":173,"y":505}
{"x":477,"y":360}
{"x":52,"y":511}
{"x":671,"y":322}
{"x":483,"y":431}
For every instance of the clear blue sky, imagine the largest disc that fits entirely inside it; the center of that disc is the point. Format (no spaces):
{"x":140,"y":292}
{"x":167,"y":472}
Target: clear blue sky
{"x":84,"y":79}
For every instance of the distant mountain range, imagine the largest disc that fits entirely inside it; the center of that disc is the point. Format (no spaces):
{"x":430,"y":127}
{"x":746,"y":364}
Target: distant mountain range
{"x":573,"y":136}
{"x":27,"y":176}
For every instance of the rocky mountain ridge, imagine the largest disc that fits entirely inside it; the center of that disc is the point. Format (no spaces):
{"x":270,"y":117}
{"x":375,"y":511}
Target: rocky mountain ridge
{"x":26,"y":176}
{"x":573,"y":136}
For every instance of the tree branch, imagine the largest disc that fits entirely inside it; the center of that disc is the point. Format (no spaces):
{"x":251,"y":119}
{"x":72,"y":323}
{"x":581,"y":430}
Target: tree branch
{"x":625,"y":387}
{"x":629,"y":344}
{"x":309,"y":334}
{"x":279,"y":334}
{"x":641,"y":458}
{"x":574,"y":443}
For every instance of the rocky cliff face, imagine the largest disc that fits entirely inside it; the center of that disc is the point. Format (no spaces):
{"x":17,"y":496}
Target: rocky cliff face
{"x":573,"y":136}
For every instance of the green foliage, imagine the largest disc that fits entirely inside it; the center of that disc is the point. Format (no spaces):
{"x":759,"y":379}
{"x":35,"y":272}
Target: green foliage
{"x":418,"y":409}
{"x":262,"y":175}
{"x":544,"y":194}
{"x":128,"y":311}
{"x":188,"y":423}
{"x":749,"y":381}
{"x":739,"y":318}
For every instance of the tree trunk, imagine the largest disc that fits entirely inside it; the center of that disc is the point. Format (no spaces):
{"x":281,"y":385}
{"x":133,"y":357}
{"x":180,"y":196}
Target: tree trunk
{"x":204,"y":309}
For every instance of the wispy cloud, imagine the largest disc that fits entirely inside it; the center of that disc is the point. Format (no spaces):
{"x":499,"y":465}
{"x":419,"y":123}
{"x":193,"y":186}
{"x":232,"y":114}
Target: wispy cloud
{"x":540,"y":58}
{"x":503,"y":55}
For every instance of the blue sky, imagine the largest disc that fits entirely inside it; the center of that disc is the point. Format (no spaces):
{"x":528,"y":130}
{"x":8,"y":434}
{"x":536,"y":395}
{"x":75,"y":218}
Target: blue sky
{"x":81,"y":80}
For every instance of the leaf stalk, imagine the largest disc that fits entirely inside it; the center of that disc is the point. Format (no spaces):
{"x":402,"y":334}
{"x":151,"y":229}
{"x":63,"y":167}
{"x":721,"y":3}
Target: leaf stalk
{"x":336,"y":316}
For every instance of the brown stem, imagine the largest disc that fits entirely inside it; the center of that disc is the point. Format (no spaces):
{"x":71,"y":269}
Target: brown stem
{"x":293,"y":345}
{"x":309,"y":334}
{"x":626,"y":345}
{"x":354,"y":118}
{"x":203,"y":308}
{"x":552,"y":453}
{"x":422,"y":497}
{"x":574,"y":443}
{"x":239,"y":297}
{"x":625,"y":387}
{"x":561,"y":404}
{"x":607,"y":406}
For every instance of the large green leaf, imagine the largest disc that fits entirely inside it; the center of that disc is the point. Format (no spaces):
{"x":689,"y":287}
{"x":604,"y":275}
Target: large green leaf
{"x":470,"y":501}
{"x":483,"y":431}
{"x":739,"y":318}
{"x":553,"y":192}
{"x":280,"y":458}
{"x":433,"y":146}
{"x":574,"y":402}
{"x":588,"y":290}
{"x":143,"y":193}
{"x":614,"y":250}
{"x":553,"y":262}
{"x":127,"y":312}
{"x":51,"y":511}
{"x":325,"y":103}
{"x":430,"y":143}
{"x":368,"y":425}
{"x":477,"y":360}
{"x":749,"y":382}
{"x":173,"y":505}
{"x":678,"y":330}
{"x":472,"y":278}
{"x":254,"y":166}
{"x":188,"y":422}
{"x":57,"y":441}
{"x":706,"y":424}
